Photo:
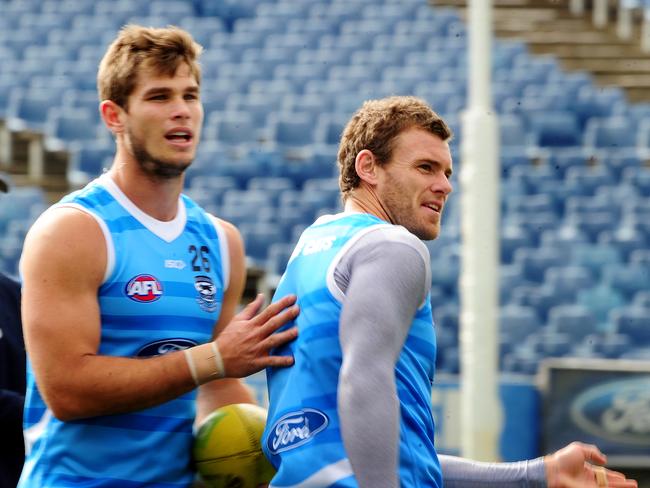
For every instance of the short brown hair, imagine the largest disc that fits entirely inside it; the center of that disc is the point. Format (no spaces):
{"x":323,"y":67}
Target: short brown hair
{"x":137,"y":47}
{"x":374,"y":127}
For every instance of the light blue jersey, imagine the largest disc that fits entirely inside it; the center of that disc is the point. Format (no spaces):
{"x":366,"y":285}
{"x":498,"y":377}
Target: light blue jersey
{"x":303,"y":437}
{"x":162,"y":292}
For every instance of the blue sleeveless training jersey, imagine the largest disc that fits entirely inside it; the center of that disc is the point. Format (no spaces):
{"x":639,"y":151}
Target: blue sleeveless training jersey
{"x":302,"y":438}
{"x":162,"y":292}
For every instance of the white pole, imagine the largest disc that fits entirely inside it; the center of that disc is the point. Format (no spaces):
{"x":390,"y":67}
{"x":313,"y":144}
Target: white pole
{"x":479,"y":177}
{"x":600,"y":14}
{"x":577,"y":7}
{"x":645,"y":30}
{"x":624,"y":20}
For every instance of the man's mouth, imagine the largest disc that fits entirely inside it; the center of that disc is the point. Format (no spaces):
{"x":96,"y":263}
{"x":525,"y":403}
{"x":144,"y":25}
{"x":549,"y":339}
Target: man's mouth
{"x":437,"y":208}
{"x":179,"y":136}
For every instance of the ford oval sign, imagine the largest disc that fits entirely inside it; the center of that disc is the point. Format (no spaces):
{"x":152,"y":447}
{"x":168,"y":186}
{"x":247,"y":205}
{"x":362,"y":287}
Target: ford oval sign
{"x":164,"y":346}
{"x":618,"y":411}
{"x":295,"y":429}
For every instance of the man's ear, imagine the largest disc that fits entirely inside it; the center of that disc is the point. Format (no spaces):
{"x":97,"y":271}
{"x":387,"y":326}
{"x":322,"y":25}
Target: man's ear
{"x":366,"y":166}
{"x":112,"y":115}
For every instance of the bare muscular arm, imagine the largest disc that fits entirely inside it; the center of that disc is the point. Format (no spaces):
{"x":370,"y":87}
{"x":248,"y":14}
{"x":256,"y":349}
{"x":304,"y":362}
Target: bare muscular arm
{"x":63,"y":265}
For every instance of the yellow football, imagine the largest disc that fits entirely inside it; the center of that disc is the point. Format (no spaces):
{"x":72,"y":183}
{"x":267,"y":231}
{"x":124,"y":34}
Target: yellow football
{"x":227,"y":448}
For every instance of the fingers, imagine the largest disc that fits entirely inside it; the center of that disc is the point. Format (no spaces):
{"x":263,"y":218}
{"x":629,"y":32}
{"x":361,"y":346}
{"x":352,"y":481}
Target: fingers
{"x":274,"y":309}
{"x":277,"y":361}
{"x":280,"y":338}
{"x":609,"y":478}
{"x":593,"y":454}
{"x":252,"y":308}
{"x":277,"y":321}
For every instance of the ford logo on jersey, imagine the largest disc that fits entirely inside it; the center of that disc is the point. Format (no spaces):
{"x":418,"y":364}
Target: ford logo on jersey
{"x":618,"y":411}
{"x":295,"y":429}
{"x":164,"y":346}
{"x":144,"y":288}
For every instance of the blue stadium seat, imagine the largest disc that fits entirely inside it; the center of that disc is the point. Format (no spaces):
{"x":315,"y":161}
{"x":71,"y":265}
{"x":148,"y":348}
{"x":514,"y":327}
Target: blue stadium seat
{"x":272,"y":186}
{"x":302,"y":72}
{"x":510,"y":277}
{"x":541,"y":297}
{"x":610,"y":133}
{"x":513,"y":237}
{"x":568,"y":280}
{"x":258,"y":105}
{"x":513,"y":131}
{"x":555,"y":128}
{"x":563,"y":239}
{"x":212,"y":187}
{"x":596,"y":257}
{"x":258,"y":237}
{"x":516,"y":323}
{"x":202,"y":28}
{"x":561,"y":158}
{"x":329,"y":128}
{"x":523,"y":359}
{"x":174,"y":8}
{"x":234,"y":129}
{"x":642,"y":299}
{"x":311,"y":103}
{"x":640,"y":257}
{"x":613,"y":345}
{"x":28,"y":109}
{"x":277,"y":258}
{"x":600,"y":299}
{"x":639,"y":177}
{"x":587,"y":179}
{"x":551,"y":343}
{"x":274,"y":88}
{"x":228,"y":10}
{"x":326,"y":57}
{"x":627,"y":238}
{"x":593,"y":101}
{"x":627,"y":278}
{"x":91,"y":159}
{"x":73,"y":125}
{"x":633,"y":322}
{"x":292,"y":41}
{"x":574,"y":320}
{"x":292,"y":132}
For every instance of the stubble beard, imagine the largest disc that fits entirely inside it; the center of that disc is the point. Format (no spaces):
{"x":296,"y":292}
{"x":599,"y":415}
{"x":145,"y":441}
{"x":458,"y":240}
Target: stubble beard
{"x":403,"y":214}
{"x":155,"y":167}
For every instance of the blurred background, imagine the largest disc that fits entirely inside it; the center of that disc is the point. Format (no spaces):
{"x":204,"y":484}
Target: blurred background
{"x":570,"y":87}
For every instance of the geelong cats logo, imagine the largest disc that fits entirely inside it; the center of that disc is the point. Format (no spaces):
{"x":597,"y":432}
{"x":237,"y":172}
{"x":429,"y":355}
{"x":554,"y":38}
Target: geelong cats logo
{"x":207,"y":293}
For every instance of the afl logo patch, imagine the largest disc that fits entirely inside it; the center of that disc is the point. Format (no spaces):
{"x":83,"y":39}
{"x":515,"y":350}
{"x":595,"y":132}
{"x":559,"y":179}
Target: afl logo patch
{"x":144,"y":288}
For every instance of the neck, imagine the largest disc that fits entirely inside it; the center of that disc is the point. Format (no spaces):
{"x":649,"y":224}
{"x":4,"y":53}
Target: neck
{"x":365,"y":200}
{"x":154,"y":196}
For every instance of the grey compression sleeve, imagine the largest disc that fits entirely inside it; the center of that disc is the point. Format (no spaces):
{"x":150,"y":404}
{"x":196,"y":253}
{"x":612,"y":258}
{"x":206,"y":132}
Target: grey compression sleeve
{"x":384,"y":277}
{"x":463,"y":473}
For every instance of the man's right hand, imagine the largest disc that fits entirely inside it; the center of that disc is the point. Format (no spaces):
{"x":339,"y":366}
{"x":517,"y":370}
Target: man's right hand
{"x":246,"y":341}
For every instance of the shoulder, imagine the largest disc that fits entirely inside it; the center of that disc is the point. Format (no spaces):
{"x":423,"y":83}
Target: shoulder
{"x":388,"y":239}
{"x":64,"y":235}
{"x":228,"y":231}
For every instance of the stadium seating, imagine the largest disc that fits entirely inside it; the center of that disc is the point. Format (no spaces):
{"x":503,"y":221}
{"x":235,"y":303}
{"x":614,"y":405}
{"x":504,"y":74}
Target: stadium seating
{"x":281,"y":79}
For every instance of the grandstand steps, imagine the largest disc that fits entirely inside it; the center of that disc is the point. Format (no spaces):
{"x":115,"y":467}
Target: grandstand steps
{"x":25,"y":146}
{"x":548,"y":27}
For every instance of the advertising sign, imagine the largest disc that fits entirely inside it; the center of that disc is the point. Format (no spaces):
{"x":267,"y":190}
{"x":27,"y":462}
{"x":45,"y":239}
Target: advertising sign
{"x":600,"y":401}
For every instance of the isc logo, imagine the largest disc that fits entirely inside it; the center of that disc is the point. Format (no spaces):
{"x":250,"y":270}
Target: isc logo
{"x":144,"y":288}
